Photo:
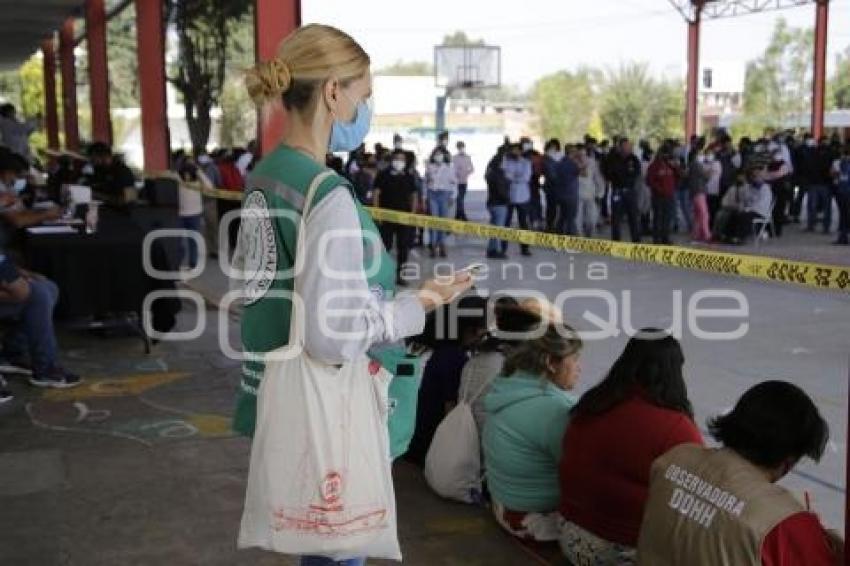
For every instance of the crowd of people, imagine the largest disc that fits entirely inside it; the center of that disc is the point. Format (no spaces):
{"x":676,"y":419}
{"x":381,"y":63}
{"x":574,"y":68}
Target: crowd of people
{"x":612,"y":474}
{"x":712,"y":190}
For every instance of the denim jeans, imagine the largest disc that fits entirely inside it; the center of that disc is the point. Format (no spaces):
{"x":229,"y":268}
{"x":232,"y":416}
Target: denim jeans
{"x":624,"y":203}
{"x":819,"y":197}
{"x":663,"y":212}
{"x":843,"y":198}
{"x":191,"y":223}
{"x":33,"y":334}
{"x":683,"y":197}
{"x":460,"y":214}
{"x":567,"y":212}
{"x":438,"y":205}
{"x":522,"y":212}
{"x":498,"y":216}
{"x":322,"y":561}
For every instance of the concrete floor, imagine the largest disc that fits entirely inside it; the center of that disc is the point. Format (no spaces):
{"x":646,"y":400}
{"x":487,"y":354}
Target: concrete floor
{"x":138,"y":465}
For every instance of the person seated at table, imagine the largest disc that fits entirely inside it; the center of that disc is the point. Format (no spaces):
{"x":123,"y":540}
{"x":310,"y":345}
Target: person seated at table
{"x":28,"y":300}
{"x":748,"y":199}
{"x":638,"y":412}
{"x":528,"y":407}
{"x":722,"y":506}
{"x":13,"y":170}
{"x":106,"y":173}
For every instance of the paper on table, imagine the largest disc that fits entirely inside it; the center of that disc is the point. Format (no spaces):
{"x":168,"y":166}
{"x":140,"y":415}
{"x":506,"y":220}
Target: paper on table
{"x":51,"y":230}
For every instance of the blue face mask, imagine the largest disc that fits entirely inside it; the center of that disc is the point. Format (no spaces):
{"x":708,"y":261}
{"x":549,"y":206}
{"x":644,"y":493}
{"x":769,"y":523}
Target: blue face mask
{"x":19,"y":185}
{"x":347,"y":136}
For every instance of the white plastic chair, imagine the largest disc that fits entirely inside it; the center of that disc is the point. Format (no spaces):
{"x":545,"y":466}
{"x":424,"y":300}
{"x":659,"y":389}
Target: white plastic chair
{"x":760,"y":225}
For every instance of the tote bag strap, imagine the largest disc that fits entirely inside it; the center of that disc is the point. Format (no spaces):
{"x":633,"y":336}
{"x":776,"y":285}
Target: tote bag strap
{"x":296,"y":316}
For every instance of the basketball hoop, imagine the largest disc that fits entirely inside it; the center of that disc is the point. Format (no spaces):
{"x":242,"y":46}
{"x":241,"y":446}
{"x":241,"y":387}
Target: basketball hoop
{"x":467,"y":67}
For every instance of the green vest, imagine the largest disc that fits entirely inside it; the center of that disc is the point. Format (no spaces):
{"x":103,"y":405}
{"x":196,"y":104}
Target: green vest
{"x":279,"y":184}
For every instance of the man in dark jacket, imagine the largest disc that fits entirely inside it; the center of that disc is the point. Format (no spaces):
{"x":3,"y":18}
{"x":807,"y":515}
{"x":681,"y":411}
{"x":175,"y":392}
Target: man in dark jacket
{"x":623,"y":170}
{"x":498,"y":201}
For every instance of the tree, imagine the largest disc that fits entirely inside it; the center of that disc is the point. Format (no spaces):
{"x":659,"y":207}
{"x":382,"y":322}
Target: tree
{"x":564,"y":103}
{"x":121,"y":51}
{"x":778,"y":84}
{"x":408,"y":69}
{"x":636,"y":105}
{"x":203,"y":29}
{"x":459,"y":39}
{"x":838,"y":87}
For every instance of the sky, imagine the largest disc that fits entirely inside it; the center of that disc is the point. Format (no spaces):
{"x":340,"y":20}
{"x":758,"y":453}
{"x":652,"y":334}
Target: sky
{"x":549,"y":35}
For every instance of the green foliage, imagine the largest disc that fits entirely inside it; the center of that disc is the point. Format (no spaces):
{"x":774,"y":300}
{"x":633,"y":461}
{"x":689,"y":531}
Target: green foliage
{"x":838,"y":88}
{"x":459,"y":39}
{"x":203,"y":28}
{"x":779,"y":83}
{"x":408,"y":69}
{"x":121,"y":48}
{"x":562,"y":101}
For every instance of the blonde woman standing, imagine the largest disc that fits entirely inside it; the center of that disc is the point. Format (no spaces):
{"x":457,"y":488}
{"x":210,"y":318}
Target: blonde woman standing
{"x":322,"y":77}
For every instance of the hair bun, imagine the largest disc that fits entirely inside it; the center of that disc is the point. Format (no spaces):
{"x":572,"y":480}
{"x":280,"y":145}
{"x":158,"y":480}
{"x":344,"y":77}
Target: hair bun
{"x":268,"y":80}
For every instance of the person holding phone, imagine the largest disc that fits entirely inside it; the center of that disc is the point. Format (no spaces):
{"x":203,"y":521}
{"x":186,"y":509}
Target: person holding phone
{"x":322,"y":76}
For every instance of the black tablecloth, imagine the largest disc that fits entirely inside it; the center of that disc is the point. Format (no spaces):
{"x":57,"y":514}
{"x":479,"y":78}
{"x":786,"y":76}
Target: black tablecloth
{"x":100,"y":273}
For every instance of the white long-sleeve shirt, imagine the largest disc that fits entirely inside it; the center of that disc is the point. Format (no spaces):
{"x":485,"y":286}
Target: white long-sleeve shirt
{"x":370,"y":317}
{"x":463,"y":167}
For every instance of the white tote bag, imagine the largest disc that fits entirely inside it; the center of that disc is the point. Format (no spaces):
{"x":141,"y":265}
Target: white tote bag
{"x":453,"y":462}
{"x":320,"y":479}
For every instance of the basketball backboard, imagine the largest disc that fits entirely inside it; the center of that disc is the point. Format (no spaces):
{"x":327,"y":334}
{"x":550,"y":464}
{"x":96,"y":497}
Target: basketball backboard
{"x":467,"y":66}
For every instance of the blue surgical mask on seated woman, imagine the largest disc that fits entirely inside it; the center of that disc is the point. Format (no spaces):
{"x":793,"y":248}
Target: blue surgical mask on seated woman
{"x":347,"y":136}
{"x":19,"y":185}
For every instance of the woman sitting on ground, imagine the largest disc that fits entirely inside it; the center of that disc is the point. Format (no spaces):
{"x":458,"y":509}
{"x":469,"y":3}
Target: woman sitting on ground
{"x":449,"y":334}
{"x":527,"y":412}
{"x":637,"y":413}
{"x":488,"y":357}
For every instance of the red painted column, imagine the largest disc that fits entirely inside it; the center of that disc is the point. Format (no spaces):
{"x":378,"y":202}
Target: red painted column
{"x":51,"y":118}
{"x":151,"y":42}
{"x":69,"y":85}
{"x":692,"y":96}
{"x":273,"y":21}
{"x":819,"y":75}
{"x":101,"y":123}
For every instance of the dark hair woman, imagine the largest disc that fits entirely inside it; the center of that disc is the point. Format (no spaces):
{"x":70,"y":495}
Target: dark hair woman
{"x":742,"y":516}
{"x":638,"y":412}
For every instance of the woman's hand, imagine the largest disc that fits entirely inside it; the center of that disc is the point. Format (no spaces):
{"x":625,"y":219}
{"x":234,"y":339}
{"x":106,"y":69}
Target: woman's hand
{"x":442,"y":290}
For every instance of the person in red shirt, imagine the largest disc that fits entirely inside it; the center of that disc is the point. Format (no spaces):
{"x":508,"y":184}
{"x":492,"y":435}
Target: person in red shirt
{"x":637,"y":413}
{"x":723,"y":504}
{"x":662,"y":177}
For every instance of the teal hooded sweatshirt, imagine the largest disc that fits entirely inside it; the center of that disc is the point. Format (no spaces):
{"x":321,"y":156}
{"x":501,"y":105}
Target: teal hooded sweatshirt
{"x":526,"y":419}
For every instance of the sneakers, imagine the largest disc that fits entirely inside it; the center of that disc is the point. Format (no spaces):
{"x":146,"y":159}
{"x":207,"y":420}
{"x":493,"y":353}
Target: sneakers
{"x":14,"y":367}
{"x":56,"y":377}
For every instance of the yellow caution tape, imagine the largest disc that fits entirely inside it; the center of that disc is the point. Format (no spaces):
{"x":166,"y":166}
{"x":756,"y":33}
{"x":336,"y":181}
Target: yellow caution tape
{"x":819,"y":276}
{"x":220,"y":194}
{"x":815,"y":275}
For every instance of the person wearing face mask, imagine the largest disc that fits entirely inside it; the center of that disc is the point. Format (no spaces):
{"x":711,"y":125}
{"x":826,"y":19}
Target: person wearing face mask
{"x":107,"y":175}
{"x":462,"y":163}
{"x":624,"y":170}
{"x":13,"y":214}
{"x":322,"y":77}
{"x":518,"y":171}
{"x":551,"y":158}
{"x":697,"y":181}
{"x":441,"y":183}
{"x":535,"y":210}
{"x":750,"y":198}
{"x":714,"y":169}
{"x":395,"y":189}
